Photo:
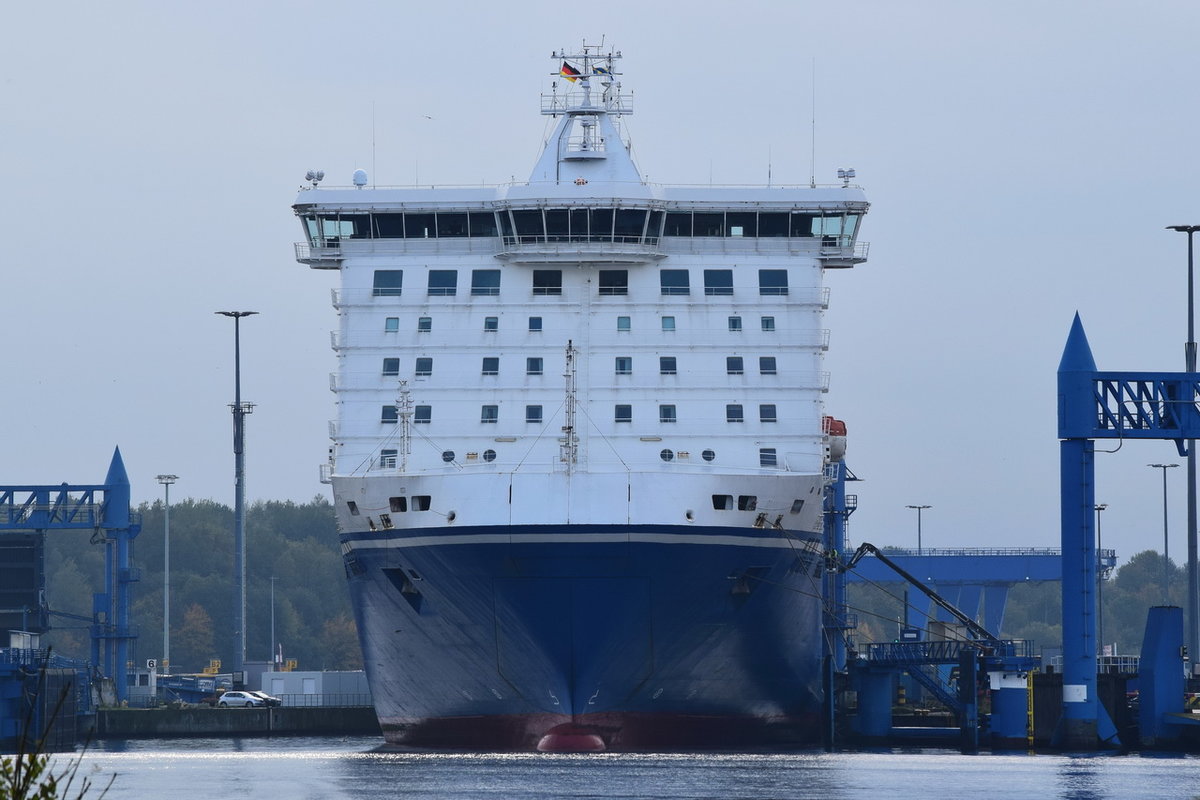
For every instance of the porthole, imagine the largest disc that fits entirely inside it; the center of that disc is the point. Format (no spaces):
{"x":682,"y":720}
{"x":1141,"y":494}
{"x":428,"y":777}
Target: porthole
{"x":708,"y":455}
{"x":666,"y":455}
{"x":489,"y":455}
{"x":447,"y":456}
{"x":450,"y":516}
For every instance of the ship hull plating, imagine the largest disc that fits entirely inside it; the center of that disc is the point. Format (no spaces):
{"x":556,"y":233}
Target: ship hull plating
{"x":629,"y":638}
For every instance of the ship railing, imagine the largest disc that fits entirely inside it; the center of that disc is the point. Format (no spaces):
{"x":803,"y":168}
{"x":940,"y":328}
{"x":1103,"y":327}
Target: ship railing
{"x":981,"y":551}
{"x":630,"y":298}
{"x":322,"y":253}
{"x":562,"y":102}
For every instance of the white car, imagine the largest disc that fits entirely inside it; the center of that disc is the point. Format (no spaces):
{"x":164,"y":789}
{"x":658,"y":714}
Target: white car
{"x":243,"y":699}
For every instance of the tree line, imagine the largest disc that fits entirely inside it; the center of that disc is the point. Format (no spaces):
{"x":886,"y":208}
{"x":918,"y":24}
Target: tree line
{"x":1034,"y":610}
{"x":296,"y":544}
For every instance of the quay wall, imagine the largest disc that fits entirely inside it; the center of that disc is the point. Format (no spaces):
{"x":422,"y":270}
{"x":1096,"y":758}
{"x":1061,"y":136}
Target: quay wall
{"x":155,"y":723}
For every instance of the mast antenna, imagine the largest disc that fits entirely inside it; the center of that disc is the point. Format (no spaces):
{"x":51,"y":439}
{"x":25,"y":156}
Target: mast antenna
{"x":404,"y":407}
{"x":812,"y":164}
{"x":570,"y":446}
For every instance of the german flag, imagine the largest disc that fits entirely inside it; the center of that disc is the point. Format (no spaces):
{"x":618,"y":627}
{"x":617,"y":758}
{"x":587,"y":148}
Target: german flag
{"x":569,"y":72}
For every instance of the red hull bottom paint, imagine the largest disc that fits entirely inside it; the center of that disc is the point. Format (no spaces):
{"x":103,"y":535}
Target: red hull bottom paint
{"x":571,"y":738}
{"x":615,"y":732}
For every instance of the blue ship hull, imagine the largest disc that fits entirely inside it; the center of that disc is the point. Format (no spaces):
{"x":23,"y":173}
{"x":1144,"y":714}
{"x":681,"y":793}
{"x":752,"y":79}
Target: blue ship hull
{"x":622,"y":638}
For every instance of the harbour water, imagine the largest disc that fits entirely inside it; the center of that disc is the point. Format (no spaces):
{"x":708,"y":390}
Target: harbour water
{"x":327,"y":768}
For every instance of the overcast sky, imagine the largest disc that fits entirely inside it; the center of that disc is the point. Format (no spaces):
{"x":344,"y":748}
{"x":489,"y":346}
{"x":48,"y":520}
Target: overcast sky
{"x":1021,"y":158}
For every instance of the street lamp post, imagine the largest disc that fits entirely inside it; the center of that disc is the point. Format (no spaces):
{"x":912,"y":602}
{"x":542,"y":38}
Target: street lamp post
{"x":240,"y":410}
{"x":1192,"y":633}
{"x":919,"y":509}
{"x":273,"y":579}
{"x":1166,"y":551}
{"x":166,"y":481}
{"x":1099,"y":584}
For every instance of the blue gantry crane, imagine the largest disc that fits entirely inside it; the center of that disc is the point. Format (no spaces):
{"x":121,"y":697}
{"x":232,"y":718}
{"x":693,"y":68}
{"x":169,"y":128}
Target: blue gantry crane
{"x":104,"y":511}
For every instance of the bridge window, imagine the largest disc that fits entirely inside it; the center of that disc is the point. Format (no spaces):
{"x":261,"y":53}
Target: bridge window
{"x":451,"y":224}
{"x":630,"y":223}
{"x":742,"y":223}
{"x":419,"y":226}
{"x":482,"y":223}
{"x":529,"y":224}
{"x":708,"y":224}
{"x":678,"y":224}
{"x":772,"y":224}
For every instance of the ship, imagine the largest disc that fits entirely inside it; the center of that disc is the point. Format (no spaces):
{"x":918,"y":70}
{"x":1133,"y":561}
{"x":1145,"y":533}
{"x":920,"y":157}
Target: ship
{"x":581,"y":452}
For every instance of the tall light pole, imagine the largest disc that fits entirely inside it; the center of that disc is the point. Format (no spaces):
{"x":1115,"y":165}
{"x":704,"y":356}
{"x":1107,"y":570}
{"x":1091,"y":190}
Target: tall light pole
{"x":1192,"y":632}
{"x":919,"y":509}
{"x":1166,"y":550}
{"x":1099,"y":583}
{"x":166,"y":481}
{"x":240,"y":410}
{"x":273,"y":579}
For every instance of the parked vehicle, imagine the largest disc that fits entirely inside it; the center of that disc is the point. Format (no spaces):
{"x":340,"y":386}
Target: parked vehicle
{"x":240,"y":699}
{"x":268,"y":699}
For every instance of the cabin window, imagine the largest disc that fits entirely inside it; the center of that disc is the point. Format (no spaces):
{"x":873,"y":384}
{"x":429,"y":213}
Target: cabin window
{"x":535,"y":324}
{"x":398,"y":505}
{"x":718,"y":281}
{"x":624,"y":365}
{"x":734,"y":365}
{"x":772,"y":281}
{"x":420,"y":502}
{"x":388,"y":415}
{"x":623,"y":413}
{"x":733,"y":413}
{"x":391,"y":366}
{"x":666,"y":365}
{"x":533,"y":414}
{"x":708,"y":455}
{"x":666,"y":455}
{"x":674,"y":281}
{"x":797,"y":505}
{"x":422,"y":414}
{"x":489,"y":414}
{"x":352,"y":507}
{"x":722,"y":502}
{"x":533,"y":366}
{"x":735,"y":323}
{"x":491,"y":324}
{"x":768,"y":323}
{"x":424,"y":366}
{"x":391,"y":325}
{"x":622,"y":323}
{"x":388,"y":282}
{"x":766,"y":365}
{"x":747,"y":502}
{"x":666,"y":413}
{"x":614,"y":281}
{"x":547,"y":281}
{"x":443,"y":282}
{"x":491,"y":365}
{"x":766,"y":413}
{"x":668,"y":323}
{"x":485,"y":281}
{"x":767,"y":457}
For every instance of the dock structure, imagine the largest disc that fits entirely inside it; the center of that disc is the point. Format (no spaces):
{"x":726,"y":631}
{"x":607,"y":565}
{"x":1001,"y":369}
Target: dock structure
{"x":27,"y":514}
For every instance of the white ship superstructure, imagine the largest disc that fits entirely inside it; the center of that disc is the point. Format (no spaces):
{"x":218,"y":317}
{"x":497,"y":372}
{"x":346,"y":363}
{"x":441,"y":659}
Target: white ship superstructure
{"x":582,"y":349}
